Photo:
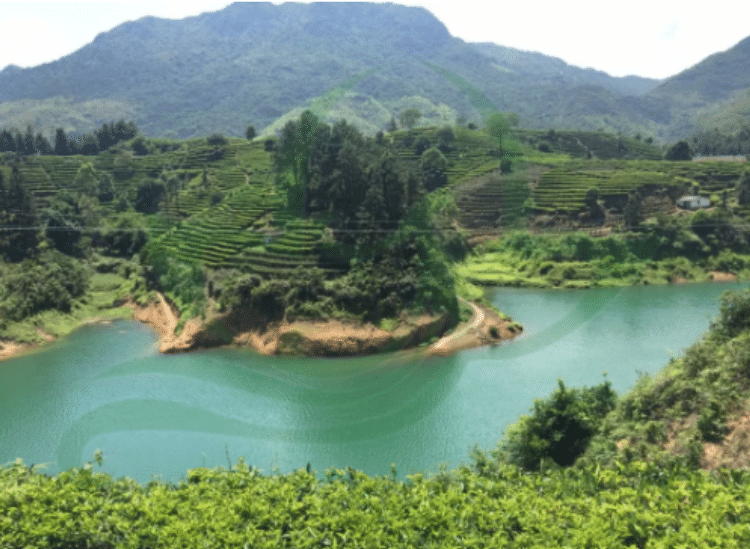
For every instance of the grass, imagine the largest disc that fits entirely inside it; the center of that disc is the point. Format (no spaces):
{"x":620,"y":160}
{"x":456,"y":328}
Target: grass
{"x":506,"y":267}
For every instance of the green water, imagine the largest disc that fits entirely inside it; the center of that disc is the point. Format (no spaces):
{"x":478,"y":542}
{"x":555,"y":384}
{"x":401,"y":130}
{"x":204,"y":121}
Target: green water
{"x":107,"y":387}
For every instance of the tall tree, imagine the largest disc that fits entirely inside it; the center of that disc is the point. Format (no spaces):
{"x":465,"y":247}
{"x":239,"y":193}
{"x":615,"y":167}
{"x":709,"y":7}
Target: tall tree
{"x":6,"y":141}
{"x":387,"y":176}
{"x":433,"y":166}
{"x":743,"y":189}
{"x":679,"y":151}
{"x":61,"y":143}
{"x":497,"y":126}
{"x":105,"y":136}
{"x":20,"y":235}
{"x":89,"y":145}
{"x":409,"y":118}
{"x":28,"y":141}
{"x":293,"y":157}
{"x":41,"y":145}
{"x":633,"y":212}
{"x":250,"y":133}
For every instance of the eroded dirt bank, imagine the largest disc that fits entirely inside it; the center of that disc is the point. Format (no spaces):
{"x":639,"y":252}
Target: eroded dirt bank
{"x":329,"y":338}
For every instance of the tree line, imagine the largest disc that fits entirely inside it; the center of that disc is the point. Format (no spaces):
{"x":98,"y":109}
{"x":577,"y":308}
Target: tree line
{"x":27,"y":143}
{"x":715,"y":143}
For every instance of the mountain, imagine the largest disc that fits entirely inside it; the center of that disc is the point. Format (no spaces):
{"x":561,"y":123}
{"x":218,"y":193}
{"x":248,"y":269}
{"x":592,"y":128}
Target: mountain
{"x":718,"y":77}
{"x":256,"y":63}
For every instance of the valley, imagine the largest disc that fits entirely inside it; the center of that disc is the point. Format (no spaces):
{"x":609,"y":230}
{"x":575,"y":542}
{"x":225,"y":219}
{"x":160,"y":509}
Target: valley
{"x":338,"y":330}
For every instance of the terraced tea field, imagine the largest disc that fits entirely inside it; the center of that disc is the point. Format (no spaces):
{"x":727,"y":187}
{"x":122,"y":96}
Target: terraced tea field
{"x":563,"y":188}
{"x":588,"y":144}
{"x":468,"y":156}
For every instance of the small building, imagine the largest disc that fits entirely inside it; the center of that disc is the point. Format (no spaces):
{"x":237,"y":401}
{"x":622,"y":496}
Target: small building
{"x":693,"y":202}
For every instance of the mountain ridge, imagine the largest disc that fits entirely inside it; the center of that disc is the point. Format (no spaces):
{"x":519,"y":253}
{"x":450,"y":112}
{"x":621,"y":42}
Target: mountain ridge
{"x":255,"y":63}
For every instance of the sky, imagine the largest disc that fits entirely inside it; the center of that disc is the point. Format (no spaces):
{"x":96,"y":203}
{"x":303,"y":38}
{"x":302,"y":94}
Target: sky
{"x":656,"y":39}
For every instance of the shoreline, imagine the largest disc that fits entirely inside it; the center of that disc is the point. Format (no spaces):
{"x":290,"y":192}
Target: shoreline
{"x":312,"y":337}
{"x":329,"y":338}
{"x":326,"y":338}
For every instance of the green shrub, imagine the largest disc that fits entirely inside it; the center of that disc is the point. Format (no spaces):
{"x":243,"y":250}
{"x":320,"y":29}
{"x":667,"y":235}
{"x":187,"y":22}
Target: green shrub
{"x":216,"y":139}
{"x":559,"y":428}
{"x":734,"y":314}
{"x":50,"y":281}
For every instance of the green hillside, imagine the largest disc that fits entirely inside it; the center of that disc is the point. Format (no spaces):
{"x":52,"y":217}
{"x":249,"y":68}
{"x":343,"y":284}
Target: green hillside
{"x":218,"y":72}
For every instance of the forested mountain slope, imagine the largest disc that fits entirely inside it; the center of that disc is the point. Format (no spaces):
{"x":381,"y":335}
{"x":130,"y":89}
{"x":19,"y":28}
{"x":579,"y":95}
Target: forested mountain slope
{"x":254,"y":62}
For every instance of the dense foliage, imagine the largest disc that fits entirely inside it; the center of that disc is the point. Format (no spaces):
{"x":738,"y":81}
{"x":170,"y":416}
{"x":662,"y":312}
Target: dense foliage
{"x":671,"y":416}
{"x":50,"y":280}
{"x":481,"y":505}
{"x":559,"y":427}
{"x":26,"y":143}
{"x":717,"y":143}
{"x":688,"y":247}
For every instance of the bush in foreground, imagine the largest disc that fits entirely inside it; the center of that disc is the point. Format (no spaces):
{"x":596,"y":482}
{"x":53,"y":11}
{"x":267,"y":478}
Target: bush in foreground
{"x":637,"y":504}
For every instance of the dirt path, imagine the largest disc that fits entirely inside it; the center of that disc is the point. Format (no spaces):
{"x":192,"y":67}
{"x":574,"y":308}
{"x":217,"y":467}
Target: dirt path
{"x":477,"y":320}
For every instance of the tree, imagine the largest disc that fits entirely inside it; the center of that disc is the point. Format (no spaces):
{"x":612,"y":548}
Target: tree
{"x":27,"y":142}
{"x":592,"y":197}
{"x":250,"y":133}
{"x":89,"y":146}
{"x":6,"y":141}
{"x":87,"y":180}
{"x":387,"y":176}
{"x":293,"y":156}
{"x":497,"y":126}
{"x":42,"y":145}
{"x":392,"y":127}
{"x":62,"y":222}
{"x":124,"y":130}
{"x":61,"y":143}
{"x":20,"y":221}
{"x":421,"y":145}
{"x":409,"y":118}
{"x":445,"y":137}
{"x":679,"y":151}
{"x":148,"y":196}
{"x":433,"y":166}
{"x":743,"y":189}
{"x":106,"y":136}
{"x":633,"y":212}
{"x":559,"y":427}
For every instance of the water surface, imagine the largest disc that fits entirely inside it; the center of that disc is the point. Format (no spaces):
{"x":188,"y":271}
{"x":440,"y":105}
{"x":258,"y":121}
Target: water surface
{"x":159,"y":415}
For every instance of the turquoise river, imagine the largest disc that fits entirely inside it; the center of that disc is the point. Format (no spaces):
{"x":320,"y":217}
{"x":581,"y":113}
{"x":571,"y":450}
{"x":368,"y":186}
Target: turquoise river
{"x":158,"y":415}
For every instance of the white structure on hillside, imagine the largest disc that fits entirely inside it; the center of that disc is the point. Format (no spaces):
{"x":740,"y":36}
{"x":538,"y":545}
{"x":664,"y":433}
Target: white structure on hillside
{"x":693,"y":202}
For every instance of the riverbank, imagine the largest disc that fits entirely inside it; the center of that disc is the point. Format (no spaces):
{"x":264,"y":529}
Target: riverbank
{"x":485,"y":327}
{"x":506,"y":268}
{"x":324,"y":338}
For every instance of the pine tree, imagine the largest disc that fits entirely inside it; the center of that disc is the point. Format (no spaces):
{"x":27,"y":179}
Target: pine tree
{"x":61,"y":143}
{"x":41,"y":145}
{"x":28,"y":141}
{"x":743,"y":190}
{"x":633,"y":212}
{"x":20,"y":221}
{"x":6,"y":141}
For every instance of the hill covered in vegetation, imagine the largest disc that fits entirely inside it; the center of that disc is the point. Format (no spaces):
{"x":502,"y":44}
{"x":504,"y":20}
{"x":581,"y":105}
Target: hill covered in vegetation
{"x":253,"y":63}
{"x":320,"y":224}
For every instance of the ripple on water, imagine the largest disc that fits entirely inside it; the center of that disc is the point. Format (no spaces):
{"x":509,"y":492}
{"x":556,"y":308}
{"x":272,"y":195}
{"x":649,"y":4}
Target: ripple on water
{"x":105,"y":387}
